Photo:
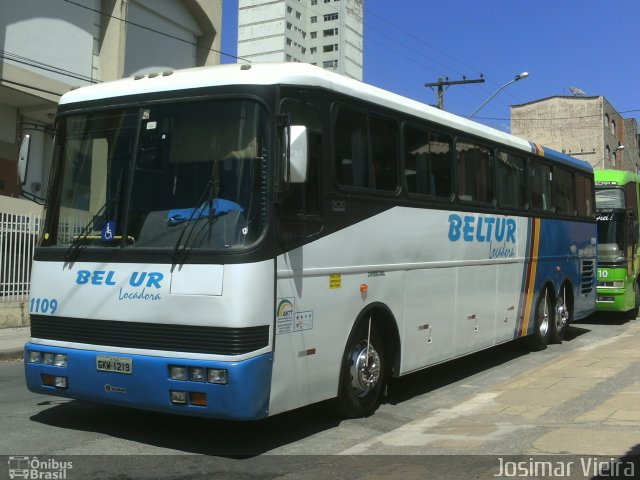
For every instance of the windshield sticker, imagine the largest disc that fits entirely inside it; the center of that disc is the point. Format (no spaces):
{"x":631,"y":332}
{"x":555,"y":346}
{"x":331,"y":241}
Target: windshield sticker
{"x":108,"y":230}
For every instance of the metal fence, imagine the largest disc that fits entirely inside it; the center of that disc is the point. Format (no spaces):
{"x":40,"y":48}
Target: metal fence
{"x":18,"y":237}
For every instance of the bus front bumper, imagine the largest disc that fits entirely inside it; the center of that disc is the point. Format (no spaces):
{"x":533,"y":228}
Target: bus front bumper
{"x":143,"y":381}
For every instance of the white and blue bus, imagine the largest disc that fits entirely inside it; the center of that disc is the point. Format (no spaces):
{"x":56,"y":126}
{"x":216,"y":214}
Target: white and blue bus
{"x":239,"y":241}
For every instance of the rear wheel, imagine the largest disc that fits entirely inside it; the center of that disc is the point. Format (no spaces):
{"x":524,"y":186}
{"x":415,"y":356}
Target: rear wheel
{"x":363,"y":374}
{"x":562,"y":317}
{"x":542,"y":319}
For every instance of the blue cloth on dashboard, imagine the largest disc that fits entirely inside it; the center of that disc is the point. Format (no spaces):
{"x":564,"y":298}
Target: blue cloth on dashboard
{"x":220,"y":206}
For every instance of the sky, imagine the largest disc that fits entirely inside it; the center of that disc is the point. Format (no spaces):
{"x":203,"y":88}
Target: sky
{"x":590,"y":44}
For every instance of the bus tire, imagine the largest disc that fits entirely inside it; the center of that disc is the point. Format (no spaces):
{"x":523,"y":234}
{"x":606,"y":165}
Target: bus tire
{"x":542,"y":321}
{"x":362,"y":379}
{"x":633,"y":313}
{"x":562,"y":318}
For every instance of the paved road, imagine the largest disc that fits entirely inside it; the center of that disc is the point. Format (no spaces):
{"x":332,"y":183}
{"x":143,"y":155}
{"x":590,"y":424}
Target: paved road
{"x":578,"y":399}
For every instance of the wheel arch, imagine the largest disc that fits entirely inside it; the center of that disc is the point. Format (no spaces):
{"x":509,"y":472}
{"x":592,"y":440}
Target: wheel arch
{"x":387,"y":324}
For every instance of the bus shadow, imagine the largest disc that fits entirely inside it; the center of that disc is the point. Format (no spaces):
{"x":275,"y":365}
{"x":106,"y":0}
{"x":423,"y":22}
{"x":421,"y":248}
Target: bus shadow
{"x":191,"y":435}
{"x":239,"y":440}
{"x":606,"y":318}
{"x":450,"y":372}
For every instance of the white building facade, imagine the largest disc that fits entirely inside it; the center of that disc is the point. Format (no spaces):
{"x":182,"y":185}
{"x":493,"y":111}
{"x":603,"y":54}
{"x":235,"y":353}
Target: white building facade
{"x":326,"y":33}
{"x":49,"y":47}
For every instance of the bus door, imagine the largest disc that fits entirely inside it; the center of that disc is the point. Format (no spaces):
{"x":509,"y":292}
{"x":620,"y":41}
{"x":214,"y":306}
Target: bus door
{"x":297,"y":362}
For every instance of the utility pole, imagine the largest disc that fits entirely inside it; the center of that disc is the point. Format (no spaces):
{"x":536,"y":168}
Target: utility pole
{"x":445,"y":82}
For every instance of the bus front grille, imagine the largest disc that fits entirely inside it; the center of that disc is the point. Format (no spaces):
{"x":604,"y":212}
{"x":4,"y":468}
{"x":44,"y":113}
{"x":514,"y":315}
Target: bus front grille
{"x":151,"y":336}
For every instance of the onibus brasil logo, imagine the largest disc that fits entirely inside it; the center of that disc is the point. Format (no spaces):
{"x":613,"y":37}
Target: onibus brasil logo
{"x":34,"y":468}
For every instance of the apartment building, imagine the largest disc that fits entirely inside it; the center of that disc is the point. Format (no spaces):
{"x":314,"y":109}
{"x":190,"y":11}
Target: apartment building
{"x":586,"y":127}
{"x":326,"y":33}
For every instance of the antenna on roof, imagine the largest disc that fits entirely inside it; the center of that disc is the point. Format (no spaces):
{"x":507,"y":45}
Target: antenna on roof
{"x":577,"y":91}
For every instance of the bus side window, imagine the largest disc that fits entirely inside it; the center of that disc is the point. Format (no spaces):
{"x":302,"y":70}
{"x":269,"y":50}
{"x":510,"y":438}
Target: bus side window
{"x":427,"y":162}
{"x":584,"y":196}
{"x":475,"y":172}
{"x":540,"y":186}
{"x":511,"y":180}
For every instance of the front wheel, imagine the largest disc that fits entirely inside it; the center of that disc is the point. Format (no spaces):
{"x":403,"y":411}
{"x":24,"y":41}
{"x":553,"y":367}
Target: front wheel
{"x":363,"y":374}
{"x":542,"y":319}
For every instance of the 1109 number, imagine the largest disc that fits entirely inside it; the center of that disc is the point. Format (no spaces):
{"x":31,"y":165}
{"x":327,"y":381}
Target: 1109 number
{"x":43,"y":305}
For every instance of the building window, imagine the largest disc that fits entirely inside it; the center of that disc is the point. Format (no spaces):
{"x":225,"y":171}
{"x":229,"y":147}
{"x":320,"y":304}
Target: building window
{"x":313,"y":50}
{"x":298,"y":15}
{"x":613,"y":126}
{"x":288,"y":26}
{"x":330,"y":16}
{"x":330,"y":64}
{"x":606,"y":120}
{"x":314,"y":19}
{"x":314,"y":2}
{"x":289,"y":41}
{"x":314,"y":35}
{"x":330,"y":48}
{"x":330,"y":32}
{"x":289,"y":10}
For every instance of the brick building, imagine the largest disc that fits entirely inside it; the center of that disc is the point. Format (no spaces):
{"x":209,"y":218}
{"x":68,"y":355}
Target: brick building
{"x":586,"y":127}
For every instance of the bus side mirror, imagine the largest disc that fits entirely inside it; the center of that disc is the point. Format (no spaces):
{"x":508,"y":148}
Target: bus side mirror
{"x":297,"y":157}
{"x":23,"y":159}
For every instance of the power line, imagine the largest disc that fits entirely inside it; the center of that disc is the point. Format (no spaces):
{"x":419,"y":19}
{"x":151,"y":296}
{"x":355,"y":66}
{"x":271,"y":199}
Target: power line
{"x":44,"y":66}
{"x":129,"y":22}
{"x":30,"y":87}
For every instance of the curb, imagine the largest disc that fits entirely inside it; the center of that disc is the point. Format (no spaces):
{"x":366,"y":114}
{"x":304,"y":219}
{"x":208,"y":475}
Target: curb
{"x":11,"y":355}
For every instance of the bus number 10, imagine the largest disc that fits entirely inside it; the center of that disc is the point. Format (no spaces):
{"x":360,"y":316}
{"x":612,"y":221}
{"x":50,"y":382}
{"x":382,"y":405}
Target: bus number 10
{"x":603,"y":273}
{"x":43,"y":305}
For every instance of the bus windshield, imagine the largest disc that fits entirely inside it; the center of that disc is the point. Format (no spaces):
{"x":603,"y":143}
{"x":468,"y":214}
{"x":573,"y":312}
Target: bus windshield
{"x":170,"y":175}
{"x":611,"y":236}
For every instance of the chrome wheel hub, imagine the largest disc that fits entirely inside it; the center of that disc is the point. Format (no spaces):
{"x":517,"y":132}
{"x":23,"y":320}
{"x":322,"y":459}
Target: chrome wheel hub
{"x":365,"y":368}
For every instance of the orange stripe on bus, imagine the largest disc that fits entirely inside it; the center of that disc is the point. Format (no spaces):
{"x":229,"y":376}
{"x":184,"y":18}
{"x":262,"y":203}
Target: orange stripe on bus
{"x":531,"y":276}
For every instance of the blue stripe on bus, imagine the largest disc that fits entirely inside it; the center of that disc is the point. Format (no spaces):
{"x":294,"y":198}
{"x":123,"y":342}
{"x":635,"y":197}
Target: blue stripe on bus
{"x":245,"y":397}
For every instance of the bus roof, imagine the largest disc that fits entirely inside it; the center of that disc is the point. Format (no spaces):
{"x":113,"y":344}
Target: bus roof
{"x":304,"y":75}
{"x":614,"y":177}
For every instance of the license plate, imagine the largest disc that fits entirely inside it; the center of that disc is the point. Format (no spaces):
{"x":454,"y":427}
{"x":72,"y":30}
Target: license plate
{"x":108,"y":363}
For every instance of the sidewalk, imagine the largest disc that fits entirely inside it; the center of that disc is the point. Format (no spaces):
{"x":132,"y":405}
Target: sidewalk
{"x":12,"y":342}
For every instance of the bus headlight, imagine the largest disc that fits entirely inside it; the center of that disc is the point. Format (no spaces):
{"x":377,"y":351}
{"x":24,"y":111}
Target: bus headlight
{"x":177,"y":372}
{"x":35,"y":357}
{"x":217,"y":375}
{"x":47,"y":358}
{"x":197,"y":374}
{"x":60,"y":360}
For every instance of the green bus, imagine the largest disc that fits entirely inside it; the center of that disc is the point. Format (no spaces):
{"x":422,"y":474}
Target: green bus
{"x":618,"y":256}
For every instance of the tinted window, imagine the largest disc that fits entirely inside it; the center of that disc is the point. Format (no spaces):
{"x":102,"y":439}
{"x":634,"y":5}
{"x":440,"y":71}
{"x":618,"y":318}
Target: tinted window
{"x":563,"y":192}
{"x":475,"y":172}
{"x":511,"y":187}
{"x":427,"y":162}
{"x":540,"y":186}
{"x":366,"y":153}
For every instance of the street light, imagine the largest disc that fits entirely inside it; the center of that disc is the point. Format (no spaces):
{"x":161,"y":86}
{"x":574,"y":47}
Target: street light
{"x":603,"y":161}
{"x":516,"y":78}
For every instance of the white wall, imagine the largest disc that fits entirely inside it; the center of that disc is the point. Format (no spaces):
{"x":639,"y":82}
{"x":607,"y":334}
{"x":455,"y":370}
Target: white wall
{"x":147,"y":51}
{"x":52,"y":32}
